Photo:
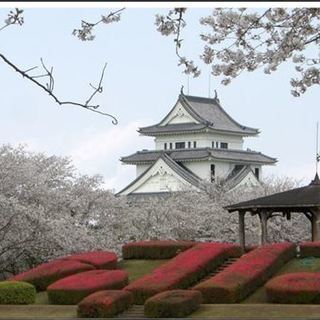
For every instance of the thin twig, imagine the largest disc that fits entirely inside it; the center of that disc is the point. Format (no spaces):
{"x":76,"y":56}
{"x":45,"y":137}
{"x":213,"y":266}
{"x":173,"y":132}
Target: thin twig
{"x":54,"y":97}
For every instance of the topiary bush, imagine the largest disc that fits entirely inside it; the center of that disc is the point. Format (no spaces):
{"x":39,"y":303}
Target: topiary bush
{"x":245,"y":275}
{"x":99,"y":259}
{"x":155,"y":249}
{"x":104,"y":304}
{"x":72,"y":289}
{"x":298,"y":287}
{"x":183,"y":270}
{"x":175,"y":303}
{"x":310,"y":249}
{"x":47,"y":273}
{"x":17,"y":292}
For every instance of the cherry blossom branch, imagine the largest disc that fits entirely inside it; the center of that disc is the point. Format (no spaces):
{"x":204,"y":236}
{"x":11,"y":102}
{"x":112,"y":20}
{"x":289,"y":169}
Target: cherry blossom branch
{"x":85,"y":32}
{"x":14,"y":17}
{"x":173,"y":23}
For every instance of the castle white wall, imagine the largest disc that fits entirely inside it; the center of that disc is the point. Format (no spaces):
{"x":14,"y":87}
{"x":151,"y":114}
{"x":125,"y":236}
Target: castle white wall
{"x":203,"y":169}
{"x":203,"y":140}
{"x":140,"y":168}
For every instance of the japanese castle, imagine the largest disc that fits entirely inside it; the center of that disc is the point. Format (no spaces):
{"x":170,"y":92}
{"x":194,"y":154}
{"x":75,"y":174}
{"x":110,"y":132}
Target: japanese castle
{"x":196,"y":141}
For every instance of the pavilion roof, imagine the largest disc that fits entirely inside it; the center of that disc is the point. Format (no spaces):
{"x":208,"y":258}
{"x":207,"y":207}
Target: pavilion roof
{"x":298,"y":198}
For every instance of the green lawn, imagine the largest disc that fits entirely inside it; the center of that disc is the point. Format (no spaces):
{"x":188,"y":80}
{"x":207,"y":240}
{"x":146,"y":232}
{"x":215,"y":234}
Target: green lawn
{"x":138,"y":268}
{"x":228,"y":311}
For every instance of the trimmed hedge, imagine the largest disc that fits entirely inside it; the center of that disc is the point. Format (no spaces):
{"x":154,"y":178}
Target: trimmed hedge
{"x":73,"y":289}
{"x":104,"y":304}
{"x":175,"y":303}
{"x":183,"y":270}
{"x":155,"y":249}
{"x":310,"y":249}
{"x":245,"y":275}
{"x":299,"y":287}
{"x":99,"y":259}
{"x":17,"y":292}
{"x":47,"y":273}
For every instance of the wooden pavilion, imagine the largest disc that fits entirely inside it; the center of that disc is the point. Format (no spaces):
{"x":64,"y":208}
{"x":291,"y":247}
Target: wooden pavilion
{"x":305,"y":200}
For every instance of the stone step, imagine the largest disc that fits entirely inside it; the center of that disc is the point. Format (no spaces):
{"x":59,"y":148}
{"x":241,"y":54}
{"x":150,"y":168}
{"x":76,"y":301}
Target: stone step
{"x":136,"y":311}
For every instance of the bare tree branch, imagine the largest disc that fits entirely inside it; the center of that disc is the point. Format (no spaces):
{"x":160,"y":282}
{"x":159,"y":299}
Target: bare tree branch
{"x":50,"y":86}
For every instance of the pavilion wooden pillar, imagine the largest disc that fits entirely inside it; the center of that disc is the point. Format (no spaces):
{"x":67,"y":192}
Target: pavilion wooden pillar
{"x":242,"y":235}
{"x":315,"y":222}
{"x":264,"y":229}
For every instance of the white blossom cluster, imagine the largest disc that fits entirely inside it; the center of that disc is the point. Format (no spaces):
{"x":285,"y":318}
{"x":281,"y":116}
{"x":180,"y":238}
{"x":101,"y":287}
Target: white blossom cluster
{"x":47,"y":210}
{"x":15,"y":17}
{"x":239,"y":39}
{"x":172,"y":24}
{"x":85,"y":33}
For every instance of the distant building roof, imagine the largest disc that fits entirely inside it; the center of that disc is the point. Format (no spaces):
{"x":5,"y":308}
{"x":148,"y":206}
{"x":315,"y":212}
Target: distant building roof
{"x":298,"y":198}
{"x":240,"y":156}
{"x":208,"y":112}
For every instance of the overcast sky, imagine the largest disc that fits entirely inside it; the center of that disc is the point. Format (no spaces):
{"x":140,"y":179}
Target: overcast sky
{"x":142,"y":83}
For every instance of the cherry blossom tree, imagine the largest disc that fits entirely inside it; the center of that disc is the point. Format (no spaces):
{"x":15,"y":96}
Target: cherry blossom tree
{"x":48,"y":210}
{"x":244,"y":39}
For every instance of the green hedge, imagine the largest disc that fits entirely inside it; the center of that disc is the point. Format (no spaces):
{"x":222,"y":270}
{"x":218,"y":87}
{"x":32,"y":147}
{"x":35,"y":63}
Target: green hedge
{"x":155,"y":249}
{"x":104,"y":304}
{"x":174,"y":303}
{"x":310,"y":249}
{"x":17,"y":292}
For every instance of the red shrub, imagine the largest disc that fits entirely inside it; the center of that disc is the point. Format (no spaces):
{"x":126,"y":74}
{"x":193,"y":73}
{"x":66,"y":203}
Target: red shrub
{"x":73,"y":289}
{"x":99,"y":259}
{"x":156,"y":249}
{"x":47,"y":273}
{"x":245,"y":275}
{"x":310,"y":249}
{"x":174,"y":303}
{"x":183,"y":270}
{"x":104,"y":304}
{"x":299,"y":287}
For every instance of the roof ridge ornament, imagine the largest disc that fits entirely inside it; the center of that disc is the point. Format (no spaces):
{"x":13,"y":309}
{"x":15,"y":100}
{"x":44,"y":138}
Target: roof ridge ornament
{"x":181,"y":90}
{"x":216,"y":96}
{"x":316,"y":180}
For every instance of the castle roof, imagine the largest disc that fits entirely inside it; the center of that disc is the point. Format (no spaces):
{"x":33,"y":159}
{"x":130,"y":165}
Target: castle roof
{"x":178,"y":168}
{"x":238,"y":156}
{"x":184,"y":173}
{"x":208,"y":115}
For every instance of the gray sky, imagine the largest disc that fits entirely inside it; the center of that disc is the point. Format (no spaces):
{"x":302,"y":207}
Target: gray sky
{"x":142,"y":83}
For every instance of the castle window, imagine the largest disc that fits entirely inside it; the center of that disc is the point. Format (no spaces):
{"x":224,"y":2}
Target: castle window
{"x":189,"y":144}
{"x":212,"y":172}
{"x":212,"y":144}
{"x":223,"y":145}
{"x":180,"y":145}
{"x":257,"y":173}
{"x":194,"y":144}
{"x":165,"y":146}
{"x":170,"y":145}
{"x":217,"y":144}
